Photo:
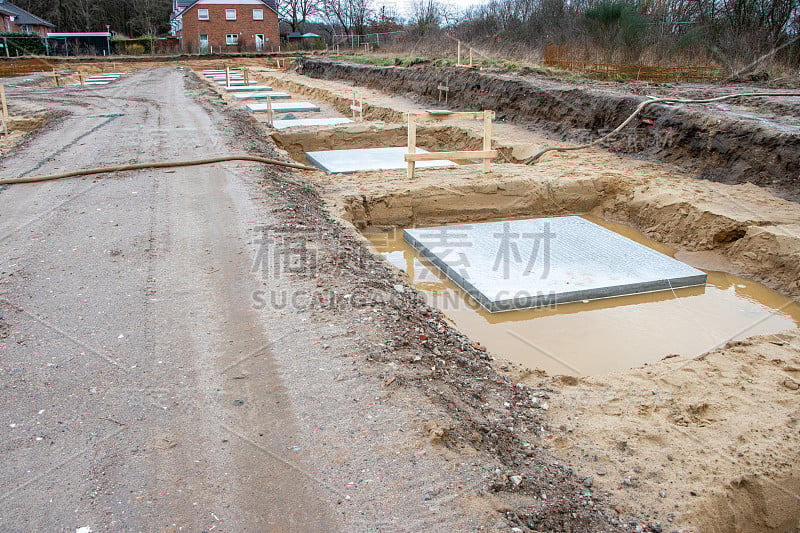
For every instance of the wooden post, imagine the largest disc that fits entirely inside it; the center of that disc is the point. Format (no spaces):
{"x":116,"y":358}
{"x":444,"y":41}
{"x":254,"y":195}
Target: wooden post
{"x":4,"y":115}
{"x":470,"y":56}
{"x":55,"y":78}
{"x":458,"y":55}
{"x":227,"y":76}
{"x":80,"y":77}
{"x":270,"y":115}
{"x":246,"y":73}
{"x":487,"y":137}
{"x":412,"y":143}
{"x":4,"y":102}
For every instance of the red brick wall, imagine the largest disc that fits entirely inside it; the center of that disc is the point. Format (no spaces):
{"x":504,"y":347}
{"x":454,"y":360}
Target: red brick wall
{"x":216,"y":27}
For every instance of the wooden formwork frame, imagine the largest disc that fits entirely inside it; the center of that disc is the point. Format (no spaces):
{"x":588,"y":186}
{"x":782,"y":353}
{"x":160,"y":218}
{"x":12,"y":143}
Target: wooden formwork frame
{"x":358,"y":107}
{"x":487,"y":154}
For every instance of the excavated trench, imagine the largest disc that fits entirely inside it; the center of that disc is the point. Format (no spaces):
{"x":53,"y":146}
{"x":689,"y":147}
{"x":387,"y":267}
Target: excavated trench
{"x":704,"y":221}
{"x":714,"y":142}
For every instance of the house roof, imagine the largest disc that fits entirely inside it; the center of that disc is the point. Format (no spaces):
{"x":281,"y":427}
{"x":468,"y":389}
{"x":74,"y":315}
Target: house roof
{"x":22,"y":17}
{"x":272,"y":4}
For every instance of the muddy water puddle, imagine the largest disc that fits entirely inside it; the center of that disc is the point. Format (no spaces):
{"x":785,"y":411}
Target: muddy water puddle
{"x":602,"y":336}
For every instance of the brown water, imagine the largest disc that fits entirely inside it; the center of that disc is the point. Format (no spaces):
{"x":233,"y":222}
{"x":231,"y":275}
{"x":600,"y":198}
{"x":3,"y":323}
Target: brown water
{"x":602,"y":336}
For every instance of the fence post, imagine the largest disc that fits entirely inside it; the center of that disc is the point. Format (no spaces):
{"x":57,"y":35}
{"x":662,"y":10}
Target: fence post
{"x":412,"y":143}
{"x":487,"y":137}
{"x":4,"y":102}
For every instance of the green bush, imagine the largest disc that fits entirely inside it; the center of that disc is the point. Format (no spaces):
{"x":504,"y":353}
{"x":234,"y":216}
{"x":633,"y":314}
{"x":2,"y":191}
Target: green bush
{"x":21,"y":44}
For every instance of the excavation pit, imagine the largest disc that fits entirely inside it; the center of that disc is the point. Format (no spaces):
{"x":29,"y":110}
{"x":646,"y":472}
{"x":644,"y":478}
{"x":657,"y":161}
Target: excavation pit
{"x":283,"y":107}
{"x":250,"y":88}
{"x":596,"y":337}
{"x":261,"y":96}
{"x":542,"y":262}
{"x":305,"y":122}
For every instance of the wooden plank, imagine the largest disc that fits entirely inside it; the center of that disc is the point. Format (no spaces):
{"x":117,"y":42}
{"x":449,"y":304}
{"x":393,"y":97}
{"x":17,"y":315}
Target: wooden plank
{"x":455,"y":115}
{"x":487,"y":137}
{"x":4,"y":102}
{"x":439,"y":156}
{"x":412,"y":144}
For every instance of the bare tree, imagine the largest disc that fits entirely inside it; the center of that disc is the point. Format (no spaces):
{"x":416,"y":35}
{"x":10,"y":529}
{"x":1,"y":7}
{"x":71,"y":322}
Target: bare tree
{"x":350,"y":15}
{"x":297,"y":12}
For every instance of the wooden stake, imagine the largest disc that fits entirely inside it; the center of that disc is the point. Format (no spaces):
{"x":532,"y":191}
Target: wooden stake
{"x":487,"y":137}
{"x":55,"y":78}
{"x":270,"y":115}
{"x":458,"y":57}
{"x":227,"y":76}
{"x":412,"y":143}
{"x":3,"y":102}
{"x":470,"y":56}
{"x":5,"y":110}
{"x":80,"y":77}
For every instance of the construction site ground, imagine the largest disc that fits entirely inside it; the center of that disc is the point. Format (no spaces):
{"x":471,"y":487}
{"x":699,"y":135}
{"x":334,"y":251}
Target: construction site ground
{"x":218,"y":347}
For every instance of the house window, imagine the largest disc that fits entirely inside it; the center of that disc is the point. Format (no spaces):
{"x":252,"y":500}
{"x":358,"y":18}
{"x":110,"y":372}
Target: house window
{"x":230,"y":14}
{"x":202,"y":14}
{"x":26,"y":29}
{"x":232,"y":38}
{"x":258,"y":14}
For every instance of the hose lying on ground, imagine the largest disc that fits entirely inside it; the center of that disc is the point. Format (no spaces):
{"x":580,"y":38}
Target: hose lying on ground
{"x":535,"y":157}
{"x":162,"y":164}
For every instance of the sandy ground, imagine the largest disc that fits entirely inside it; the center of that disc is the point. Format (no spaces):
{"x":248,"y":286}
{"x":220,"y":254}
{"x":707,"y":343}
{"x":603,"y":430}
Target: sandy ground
{"x":160,"y":372}
{"x":707,"y":444}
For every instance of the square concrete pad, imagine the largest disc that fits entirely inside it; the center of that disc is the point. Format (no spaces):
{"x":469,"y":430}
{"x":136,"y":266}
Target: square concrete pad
{"x":348,"y":161}
{"x":261,"y":96}
{"x":283,"y":107}
{"x":299,"y":122}
{"x":243,"y":87}
{"x":547,"y":261}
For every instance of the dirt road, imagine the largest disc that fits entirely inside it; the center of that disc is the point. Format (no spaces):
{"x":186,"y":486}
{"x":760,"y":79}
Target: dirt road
{"x":128,"y":325}
{"x":159,"y":374}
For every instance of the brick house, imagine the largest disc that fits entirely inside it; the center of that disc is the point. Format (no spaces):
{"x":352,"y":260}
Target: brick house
{"x":16,"y":19}
{"x":204,"y":26}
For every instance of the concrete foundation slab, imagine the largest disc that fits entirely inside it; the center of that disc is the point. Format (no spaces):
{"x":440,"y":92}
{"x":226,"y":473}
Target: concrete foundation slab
{"x":261,"y":96}
{"x":349,"y":161}
{"x":236,"y":84}
{"x":547,"y":261}
{"x":283,"y":107}
{"x":239,"y":88}
{"x":299,"y":122}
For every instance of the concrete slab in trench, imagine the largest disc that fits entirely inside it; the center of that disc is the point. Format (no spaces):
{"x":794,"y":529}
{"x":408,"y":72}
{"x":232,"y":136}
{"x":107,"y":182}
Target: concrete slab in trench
{"x":283,"y":107}
{"x":239,"y":88}
{"x":349,"y":161}
{"x":299,"y":122}
{"x":547,"y":261}
{"x":261,"y":96}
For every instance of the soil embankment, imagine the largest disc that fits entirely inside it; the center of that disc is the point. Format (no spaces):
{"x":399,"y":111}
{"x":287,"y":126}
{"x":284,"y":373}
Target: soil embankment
{"x":730,"y":144}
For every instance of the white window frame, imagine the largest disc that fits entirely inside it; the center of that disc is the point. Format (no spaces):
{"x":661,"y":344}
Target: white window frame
{"x":232,"y":39}
{"x":258,"y":14}
{"x":200,"y":13}
{"x":230,"y":14}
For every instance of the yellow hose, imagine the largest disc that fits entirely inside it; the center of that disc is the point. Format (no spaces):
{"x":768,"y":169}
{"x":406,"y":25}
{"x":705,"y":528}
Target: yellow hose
{"x":168,"y":164}
{"x":535,"y":157}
